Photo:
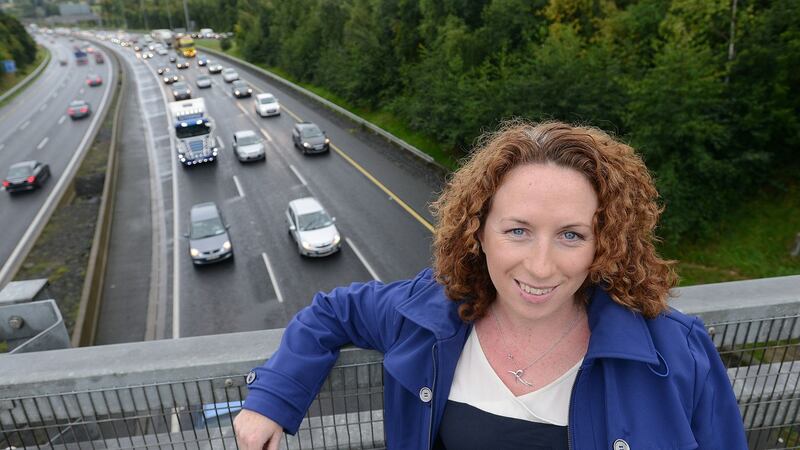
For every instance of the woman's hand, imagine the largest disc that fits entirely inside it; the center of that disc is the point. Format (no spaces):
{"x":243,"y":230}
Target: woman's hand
{"x":256,"y":432}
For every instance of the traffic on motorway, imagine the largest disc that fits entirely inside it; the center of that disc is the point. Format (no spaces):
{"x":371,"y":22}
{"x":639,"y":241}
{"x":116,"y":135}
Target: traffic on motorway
{"x":45,"y":130}
{"x":237,"y":175}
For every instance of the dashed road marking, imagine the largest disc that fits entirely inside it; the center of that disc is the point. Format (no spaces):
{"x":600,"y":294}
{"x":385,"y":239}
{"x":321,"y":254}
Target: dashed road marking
{"x":363,"y":261}
{"x":297,"y":174}
{"x":272,"y":278}
{"x":219,"y":142}
{"x":266,"y":135}
{"x":24,"y":125}
{"x":43,"y":107}
{"x":62,"y":119}
{"x":238,"y":186}
{"x":43,"y":143}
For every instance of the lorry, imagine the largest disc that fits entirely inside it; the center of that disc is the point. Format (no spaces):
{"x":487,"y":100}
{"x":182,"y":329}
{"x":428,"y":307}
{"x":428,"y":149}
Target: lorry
{"x":184,"y":45}
{"x":163,"y":36}
{"x":195,"y":140}
{"x":81,"y":57}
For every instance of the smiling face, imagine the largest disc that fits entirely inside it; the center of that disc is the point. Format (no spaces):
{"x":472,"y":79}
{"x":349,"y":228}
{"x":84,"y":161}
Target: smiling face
{"x":538,"y":241}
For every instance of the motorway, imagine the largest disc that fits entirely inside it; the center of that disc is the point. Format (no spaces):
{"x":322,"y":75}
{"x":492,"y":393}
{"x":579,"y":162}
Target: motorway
{"x":268,"y":281}
{"x":34,"y":125}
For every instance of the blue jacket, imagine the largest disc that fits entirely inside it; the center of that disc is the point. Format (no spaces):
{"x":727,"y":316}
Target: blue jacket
{"x":654,"y":384}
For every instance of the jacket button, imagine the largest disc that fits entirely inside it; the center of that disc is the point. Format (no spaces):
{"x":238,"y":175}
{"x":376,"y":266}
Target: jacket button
{"x":425,"y":394}
{"x":620,"y":444}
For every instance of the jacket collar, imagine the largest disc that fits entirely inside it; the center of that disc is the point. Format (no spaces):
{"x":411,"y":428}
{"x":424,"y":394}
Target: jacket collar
{"x":429,"y":307}
{"x":617,"y":332}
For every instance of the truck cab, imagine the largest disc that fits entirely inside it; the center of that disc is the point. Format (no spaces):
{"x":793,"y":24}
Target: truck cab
{"x":195,"y":140}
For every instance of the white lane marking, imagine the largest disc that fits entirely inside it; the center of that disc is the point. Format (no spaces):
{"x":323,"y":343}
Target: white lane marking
{"x":24,"y":125}
{"x":272,"y":278}
{"x":62,"y":119}
{"x":219,"y":142}
{"x":43,"y":143}
{"x":363,"y":261}
{"x":297,"y":174}
{"x":239,"y":105}
{"x":2,"y":146}
{"x":238,"y":186}
{"x":43,"y":107}
{"x":266,"y":135}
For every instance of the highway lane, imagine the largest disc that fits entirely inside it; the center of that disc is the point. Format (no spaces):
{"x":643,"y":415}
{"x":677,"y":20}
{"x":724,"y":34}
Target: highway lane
{"x":380,"y":237}
{"x":35,"y":126}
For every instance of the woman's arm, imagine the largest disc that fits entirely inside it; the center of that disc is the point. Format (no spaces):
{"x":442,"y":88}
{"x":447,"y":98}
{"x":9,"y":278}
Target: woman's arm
{"x":362,"y":314}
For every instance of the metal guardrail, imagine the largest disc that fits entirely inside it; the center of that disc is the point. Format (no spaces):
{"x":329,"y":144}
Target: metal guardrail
{"x":182,"y":393}
{"x":89,"y":306}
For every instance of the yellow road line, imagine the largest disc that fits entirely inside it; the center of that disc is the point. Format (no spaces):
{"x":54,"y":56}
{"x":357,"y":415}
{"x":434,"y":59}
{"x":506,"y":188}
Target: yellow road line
{"x":371,"y":178}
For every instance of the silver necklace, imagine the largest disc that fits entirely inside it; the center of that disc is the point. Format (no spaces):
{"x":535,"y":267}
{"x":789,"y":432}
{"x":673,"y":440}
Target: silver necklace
{"x":519,"y":373}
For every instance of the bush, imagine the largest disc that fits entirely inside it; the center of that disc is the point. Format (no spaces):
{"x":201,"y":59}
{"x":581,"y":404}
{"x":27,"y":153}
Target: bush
{"x":225,"y":44}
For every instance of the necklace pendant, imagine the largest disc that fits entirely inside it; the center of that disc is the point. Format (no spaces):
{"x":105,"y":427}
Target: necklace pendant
{"x":518,"y":375}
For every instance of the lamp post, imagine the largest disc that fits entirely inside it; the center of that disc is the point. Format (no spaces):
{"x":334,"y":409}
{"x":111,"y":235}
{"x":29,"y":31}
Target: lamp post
{"x":186,"y":13}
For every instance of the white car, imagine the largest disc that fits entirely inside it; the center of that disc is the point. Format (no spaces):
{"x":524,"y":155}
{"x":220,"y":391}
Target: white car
{"x":267,"y":105}
{"x":230,"y":75}
{"x":248,"y":146}
{"x":312,"y":228}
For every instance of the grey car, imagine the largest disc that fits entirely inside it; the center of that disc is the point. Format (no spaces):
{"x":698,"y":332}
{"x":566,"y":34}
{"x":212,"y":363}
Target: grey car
{"x":230,"y":75}
{"x":309,"y":138}
{"x":209,"y":241}
{"x":312,"y":228}
{"x":203,"y":81}
{"x":248,"y":146}
{"x":181,"y":91}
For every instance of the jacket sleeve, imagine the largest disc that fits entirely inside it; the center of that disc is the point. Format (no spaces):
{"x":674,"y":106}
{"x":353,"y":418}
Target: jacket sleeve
{"x":716,"y":420}
{"x":362,"y":314}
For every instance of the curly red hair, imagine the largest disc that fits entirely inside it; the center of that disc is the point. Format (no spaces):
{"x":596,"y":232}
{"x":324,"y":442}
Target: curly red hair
{"x":625,"y":261}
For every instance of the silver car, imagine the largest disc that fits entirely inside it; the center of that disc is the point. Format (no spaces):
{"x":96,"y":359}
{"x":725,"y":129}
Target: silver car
{"x":248,"y":146}
{"x":267,"y":105}
{"x":209,"y":241}
{"x":312,"y":228}
{"x":230,"y":75}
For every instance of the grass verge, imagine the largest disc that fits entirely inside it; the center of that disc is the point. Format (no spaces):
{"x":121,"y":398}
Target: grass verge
{"x":61,"y":253}
{"x":8,"y":81}
{"x":753,"y":242}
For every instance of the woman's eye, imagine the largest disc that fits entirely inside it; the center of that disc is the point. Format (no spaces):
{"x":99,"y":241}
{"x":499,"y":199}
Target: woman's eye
{"x":516,"y":232}
{"x":572,"y":236}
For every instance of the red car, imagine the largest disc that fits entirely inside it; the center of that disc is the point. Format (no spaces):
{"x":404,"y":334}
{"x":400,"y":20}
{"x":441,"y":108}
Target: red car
{"x":94,"y":80}
{"x":78,"y":109}
{"x":98,"y":58}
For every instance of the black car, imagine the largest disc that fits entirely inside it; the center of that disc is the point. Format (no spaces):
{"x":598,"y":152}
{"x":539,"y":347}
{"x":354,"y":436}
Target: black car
{"x":182,"y":64}
{"x":169,"y":79}
{"x":241,"y":89}
{"x":309,"y":138}
{"x":162,"y":70}
{"x":26,"y":176}
{"x":181,"y":91}
{"x":202,"y":60}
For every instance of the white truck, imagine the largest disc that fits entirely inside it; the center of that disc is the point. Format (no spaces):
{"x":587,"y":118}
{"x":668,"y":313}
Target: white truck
{"x":195,"y":141}
{"x":206,"y":33}
{"x":163,"y":36}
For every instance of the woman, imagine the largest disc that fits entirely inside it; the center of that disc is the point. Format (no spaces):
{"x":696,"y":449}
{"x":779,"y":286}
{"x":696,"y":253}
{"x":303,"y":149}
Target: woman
{"x":543,"y":324}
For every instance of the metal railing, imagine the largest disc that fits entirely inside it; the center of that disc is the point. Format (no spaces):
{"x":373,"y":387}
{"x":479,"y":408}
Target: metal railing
{"x":167,"y":405}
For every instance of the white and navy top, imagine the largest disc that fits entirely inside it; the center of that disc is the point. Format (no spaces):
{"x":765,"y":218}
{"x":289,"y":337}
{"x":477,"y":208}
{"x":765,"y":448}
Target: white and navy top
{"x":483,"y":413}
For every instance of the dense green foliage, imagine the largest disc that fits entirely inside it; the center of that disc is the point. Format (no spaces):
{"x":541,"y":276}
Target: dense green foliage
{"x":15,"y":42}
{"x":713,"y":124}
{"x":152,"y":14}
{"x":709,"y":97}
